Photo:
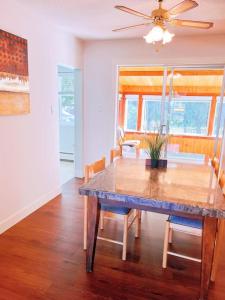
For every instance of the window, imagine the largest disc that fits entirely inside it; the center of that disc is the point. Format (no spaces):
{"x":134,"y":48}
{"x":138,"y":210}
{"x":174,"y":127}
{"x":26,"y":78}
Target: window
{"x":189,"y":115}
{"x":131,"y":112}
{"x":151,"y":113}
{"x":216,"y":116}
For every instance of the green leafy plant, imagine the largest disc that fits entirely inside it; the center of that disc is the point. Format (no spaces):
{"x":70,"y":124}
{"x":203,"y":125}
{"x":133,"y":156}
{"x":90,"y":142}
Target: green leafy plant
{"x":154,"y":145}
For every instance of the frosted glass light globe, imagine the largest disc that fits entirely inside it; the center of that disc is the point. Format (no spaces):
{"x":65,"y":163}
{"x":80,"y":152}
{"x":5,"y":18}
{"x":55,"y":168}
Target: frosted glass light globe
{"x":167,"y":36}
{"x":154,"y":35}
{"x":157,"y":33}
{"x":148,"y":38}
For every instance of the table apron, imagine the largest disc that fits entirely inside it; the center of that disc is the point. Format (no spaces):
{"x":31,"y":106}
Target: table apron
{"x":149,"y":208}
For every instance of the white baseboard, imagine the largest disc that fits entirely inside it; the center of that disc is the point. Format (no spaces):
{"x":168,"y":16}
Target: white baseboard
{"x":26,"y":211}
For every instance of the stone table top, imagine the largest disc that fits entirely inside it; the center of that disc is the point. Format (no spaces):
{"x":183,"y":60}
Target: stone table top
{"x":184,"y":187}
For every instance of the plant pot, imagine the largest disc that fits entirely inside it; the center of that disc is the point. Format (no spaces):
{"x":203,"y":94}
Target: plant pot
{"x":162,"y":163}
{"x":154,"y":163}
{"x":148,"y":162}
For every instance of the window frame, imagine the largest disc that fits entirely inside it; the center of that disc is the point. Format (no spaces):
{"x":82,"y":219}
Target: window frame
{"x":214,"y":121}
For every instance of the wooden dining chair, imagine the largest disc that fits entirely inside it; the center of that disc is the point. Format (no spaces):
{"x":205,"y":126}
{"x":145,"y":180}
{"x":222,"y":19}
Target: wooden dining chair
{"x":220,"y":235}
{"x":89,"y":172}
{"x":181,"y":224}
{"x":216,"y":165}
{"x":122,"y":142}
{"x":114,"y":153}
{"x":222,"y":181}
{"x":214,"y":160}
{"x":193,"y":227}
{"x":117,"y":153}
{"x":127,"y":213}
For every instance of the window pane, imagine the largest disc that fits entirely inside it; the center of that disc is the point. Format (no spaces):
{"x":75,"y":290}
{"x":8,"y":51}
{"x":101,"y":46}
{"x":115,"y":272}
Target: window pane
{"x":189,"y":115}
{"x":131,"y":113}
{"x":216,"y":116}
{"x":66,"y":97}
{"x":67,"y":109}
{"x":151,"y":114}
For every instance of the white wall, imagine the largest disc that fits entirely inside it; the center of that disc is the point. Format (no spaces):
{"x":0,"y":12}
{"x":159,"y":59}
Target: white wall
{"x":29,"y":146}
{"x":100,"y":61}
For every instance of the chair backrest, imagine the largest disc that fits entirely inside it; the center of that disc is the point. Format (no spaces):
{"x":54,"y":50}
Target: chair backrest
{"x":94,"y":168}
{"x":115,"y":153}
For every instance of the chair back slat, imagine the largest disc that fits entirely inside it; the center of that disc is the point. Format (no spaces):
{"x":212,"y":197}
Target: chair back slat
{"x":92,"y":169}
{"x":98,"y":166}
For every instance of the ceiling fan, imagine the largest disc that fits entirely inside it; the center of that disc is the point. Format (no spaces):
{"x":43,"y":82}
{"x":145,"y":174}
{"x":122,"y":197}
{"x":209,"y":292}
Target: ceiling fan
{"x":160,"y":17}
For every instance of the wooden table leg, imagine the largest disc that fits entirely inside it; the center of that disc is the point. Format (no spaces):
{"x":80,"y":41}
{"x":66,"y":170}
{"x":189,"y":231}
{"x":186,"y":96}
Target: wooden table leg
{"x":208,"y":245}
{"x":93,"y":221}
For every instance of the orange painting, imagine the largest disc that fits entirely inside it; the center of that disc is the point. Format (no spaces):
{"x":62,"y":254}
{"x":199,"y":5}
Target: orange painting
{"x":14,"y":81}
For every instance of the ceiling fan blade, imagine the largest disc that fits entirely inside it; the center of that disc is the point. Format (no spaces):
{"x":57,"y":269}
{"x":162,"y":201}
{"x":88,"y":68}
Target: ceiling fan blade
{"x":182,"y":7}
{"x":190,"y":23}
{"x":131,"y":11}
{"x":132,"y":26}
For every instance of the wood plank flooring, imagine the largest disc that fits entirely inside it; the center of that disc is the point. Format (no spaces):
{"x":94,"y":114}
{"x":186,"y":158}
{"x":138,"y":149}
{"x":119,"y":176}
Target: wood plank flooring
{"x":42,"y":258}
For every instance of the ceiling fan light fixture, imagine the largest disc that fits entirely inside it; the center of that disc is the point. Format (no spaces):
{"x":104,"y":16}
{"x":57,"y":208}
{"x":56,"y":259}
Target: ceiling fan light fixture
{"x":157,"y":34}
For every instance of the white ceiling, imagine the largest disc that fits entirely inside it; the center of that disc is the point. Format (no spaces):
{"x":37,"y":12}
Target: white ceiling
{"x":95,"y":19}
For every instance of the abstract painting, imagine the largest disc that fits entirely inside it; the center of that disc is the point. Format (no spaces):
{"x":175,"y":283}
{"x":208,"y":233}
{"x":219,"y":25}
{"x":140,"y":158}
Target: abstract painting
{"x":14,"y":81}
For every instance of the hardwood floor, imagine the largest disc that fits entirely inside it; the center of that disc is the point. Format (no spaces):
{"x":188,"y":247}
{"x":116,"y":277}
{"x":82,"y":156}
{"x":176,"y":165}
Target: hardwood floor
{"x":42,"y":258}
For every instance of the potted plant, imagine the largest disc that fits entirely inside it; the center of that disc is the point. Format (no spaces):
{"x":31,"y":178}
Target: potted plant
{"x":154,"y":146}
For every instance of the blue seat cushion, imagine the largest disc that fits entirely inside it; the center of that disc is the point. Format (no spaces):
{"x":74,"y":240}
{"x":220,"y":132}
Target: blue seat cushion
{"x":189,"y":222}
{"x":115,"y":209}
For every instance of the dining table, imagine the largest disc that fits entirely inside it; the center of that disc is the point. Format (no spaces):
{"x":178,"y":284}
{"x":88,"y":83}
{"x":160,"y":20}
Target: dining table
{"x":186,"y":187}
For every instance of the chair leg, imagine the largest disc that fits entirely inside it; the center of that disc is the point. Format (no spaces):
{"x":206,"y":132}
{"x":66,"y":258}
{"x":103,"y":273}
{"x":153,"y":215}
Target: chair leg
{"x":170,"y":236}
{"x":85,"y":222}
{"x":137,"y":225}
{"x":102,"y":220}
{"x":125,"y":232}
{"x":219,"y":242}
{"x":165,"y":248}
{"x":137,"y":150}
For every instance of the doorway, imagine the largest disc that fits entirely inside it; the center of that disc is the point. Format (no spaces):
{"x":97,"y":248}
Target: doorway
{"x":185,"y":102}
{"x":66,"y":96}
